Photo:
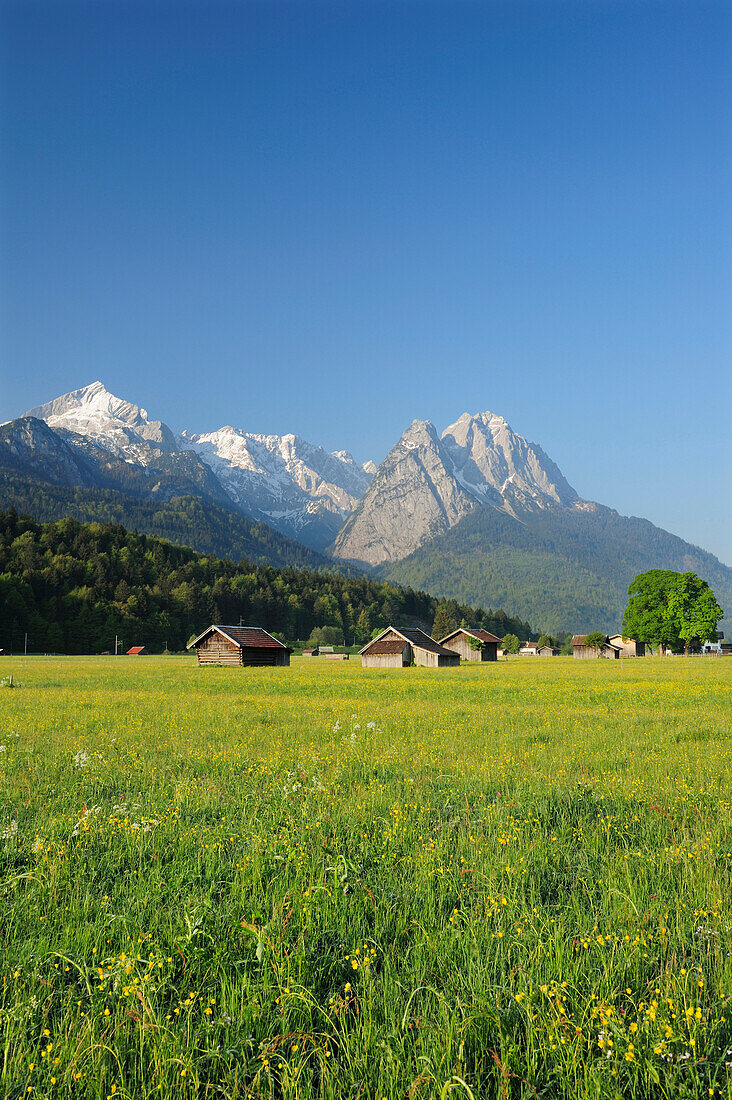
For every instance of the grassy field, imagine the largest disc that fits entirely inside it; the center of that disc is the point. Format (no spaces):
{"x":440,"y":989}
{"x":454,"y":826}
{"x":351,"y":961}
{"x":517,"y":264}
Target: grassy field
{"x":508,"y":881}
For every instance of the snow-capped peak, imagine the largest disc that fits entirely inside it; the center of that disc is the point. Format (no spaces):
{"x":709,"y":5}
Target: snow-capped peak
{"x":117,"y":425}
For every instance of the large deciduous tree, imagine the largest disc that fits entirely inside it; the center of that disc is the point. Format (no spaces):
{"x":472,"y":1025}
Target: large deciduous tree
{"x":647,"y":617}
{"x":667,"y":608}
{"x":694,"y":607}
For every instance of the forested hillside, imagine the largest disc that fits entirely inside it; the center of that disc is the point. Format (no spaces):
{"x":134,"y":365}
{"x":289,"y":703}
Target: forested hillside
{"x":185,"y":520}
{"x":74,"y":586}
{"x":569,"y":570}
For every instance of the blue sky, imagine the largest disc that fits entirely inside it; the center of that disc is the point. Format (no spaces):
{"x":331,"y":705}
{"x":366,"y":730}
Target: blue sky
{"x":331,"y":218}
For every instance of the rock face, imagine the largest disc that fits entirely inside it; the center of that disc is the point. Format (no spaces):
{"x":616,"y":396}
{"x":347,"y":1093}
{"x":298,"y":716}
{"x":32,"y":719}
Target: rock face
{"x":413,"y":497}
{"x":427,"y":484}
{"x":299,"y":488}
{"x":498,"y":467}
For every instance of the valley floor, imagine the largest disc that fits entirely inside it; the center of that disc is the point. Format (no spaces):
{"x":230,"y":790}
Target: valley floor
{"x":510,"y":880}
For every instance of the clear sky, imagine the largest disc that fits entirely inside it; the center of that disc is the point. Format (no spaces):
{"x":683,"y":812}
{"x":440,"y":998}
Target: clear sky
{"x":331,"y":218}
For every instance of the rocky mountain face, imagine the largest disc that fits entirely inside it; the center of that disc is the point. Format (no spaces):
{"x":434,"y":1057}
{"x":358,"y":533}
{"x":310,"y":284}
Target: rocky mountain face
{"x":414,"y":496}
{"x":299,"y":489}
{"x":427,"y":484}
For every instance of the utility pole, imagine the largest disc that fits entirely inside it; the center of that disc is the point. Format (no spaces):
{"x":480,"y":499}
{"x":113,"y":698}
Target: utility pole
{"x":25,"y":652}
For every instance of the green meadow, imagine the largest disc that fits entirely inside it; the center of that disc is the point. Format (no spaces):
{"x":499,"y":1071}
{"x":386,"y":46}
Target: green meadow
{"x":507,"y":881}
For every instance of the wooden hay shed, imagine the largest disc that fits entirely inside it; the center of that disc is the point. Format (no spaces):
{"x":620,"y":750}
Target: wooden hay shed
{"x":395,"y":648}
{"x":628,"y":646}
{"x":484,"y":648}
{"x":584,"y":652}
{"x":548,"y":651}
{"x":240,"y":645}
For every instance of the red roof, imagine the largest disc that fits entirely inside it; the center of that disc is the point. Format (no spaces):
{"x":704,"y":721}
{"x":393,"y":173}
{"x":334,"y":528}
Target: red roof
{"x":246,"y":637}
{"x":135,"y":650}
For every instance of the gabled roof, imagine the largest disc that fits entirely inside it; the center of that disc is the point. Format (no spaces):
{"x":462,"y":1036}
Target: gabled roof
{"x":416,"y":638}
{"x":579,"y":639}
{"x":386,"y":645}
{"x":477,"y":632}
{"x":245,"y":637}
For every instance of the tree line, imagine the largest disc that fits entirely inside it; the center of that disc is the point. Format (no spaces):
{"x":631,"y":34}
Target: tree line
{"x":76,"y":587}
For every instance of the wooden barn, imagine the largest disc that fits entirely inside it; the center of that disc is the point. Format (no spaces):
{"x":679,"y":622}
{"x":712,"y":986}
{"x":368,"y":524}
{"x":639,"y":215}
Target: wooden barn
{"x":239,"y":645}
{"x":398,"y":648}
{"x":548,"y":651}
{"x":484,"y":645}
{"x":582,"y":651}
{"x":628,"y":646}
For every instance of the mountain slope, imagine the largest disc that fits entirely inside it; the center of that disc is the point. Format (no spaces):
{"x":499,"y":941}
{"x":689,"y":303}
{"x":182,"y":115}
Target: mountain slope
{"x":61,"y":457}
{"x":299,"y":488}
{"x":569,"y":570}
{"x":185,"y":520}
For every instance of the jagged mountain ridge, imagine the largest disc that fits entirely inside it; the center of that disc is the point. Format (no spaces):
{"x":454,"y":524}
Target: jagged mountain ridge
{"x":428,"y":483}
{"x":297,"y":487}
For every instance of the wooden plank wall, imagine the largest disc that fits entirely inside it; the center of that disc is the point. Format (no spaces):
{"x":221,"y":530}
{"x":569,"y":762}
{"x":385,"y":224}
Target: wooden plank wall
{"x":217,"y":650}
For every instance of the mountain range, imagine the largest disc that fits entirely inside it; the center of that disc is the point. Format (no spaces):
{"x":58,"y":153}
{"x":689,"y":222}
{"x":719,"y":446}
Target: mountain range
{"x":476,"y":512}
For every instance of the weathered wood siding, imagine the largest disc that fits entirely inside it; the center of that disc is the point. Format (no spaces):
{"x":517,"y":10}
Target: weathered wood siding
{"x":218,"y":650}
{"x":386,"y":660}
{"x":426,"y":659}
{"x":462,"y":647}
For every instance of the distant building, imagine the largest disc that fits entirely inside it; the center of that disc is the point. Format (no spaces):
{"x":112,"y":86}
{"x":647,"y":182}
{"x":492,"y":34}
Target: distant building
{"x":239,"y":645}
{"x":529,"y":649}
{"x":398,"y":648}
{"x":548,"y":651}
{"x":135,"y":651}
{"x":628,"y":646}
{"x":485,"y":647}
{"x":582,"y":651}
